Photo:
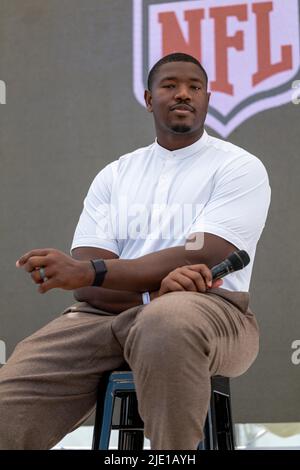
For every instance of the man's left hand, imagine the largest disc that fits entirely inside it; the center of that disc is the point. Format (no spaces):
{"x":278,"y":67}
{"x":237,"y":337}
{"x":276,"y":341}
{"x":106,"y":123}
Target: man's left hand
{"x":59,"y":269}
{"x":193,"y":278}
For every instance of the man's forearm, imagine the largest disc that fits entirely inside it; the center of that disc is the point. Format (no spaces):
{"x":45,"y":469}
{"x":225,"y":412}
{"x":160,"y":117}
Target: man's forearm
{"x":144,"y":273}
{"x":114,"y":301}
{"x":147,"y":272}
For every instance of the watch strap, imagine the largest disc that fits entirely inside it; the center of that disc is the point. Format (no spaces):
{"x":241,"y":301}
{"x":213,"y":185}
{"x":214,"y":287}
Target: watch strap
{"x":100,"y":271}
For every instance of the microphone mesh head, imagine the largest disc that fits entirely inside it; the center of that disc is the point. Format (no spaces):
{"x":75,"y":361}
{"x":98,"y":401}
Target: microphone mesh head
{"x":239,"y":259}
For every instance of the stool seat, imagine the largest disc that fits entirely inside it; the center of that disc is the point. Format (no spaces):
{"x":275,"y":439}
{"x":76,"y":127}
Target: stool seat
{"x":117,"y":409}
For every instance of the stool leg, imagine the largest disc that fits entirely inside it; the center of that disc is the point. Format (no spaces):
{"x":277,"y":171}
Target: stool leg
{"x":218,"y":429}
{"x":206,"y":444}
{"x":231,"y":439}
{"x":130,"y":439}
{"x":103,"y":418}
{"x":221,"y":423}
{"x":224,"y":426}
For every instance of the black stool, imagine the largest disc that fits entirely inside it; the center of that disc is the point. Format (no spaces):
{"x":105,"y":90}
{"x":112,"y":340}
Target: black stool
{"x":117,"y":409}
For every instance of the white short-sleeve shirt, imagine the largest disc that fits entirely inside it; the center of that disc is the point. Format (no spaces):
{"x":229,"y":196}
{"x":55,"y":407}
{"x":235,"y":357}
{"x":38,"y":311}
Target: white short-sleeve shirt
{"x":153,"y":198}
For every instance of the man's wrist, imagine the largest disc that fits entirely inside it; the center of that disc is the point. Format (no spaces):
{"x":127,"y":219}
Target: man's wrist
{"x":100,"y":271}
{"x":88,"y":273}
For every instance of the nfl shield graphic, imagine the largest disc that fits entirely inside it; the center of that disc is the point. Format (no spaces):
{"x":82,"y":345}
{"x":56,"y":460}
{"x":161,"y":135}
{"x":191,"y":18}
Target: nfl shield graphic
{"x":250,"y":49}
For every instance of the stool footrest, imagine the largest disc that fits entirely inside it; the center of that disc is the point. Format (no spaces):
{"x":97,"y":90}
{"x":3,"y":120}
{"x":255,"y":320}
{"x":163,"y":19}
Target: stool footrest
{"x":126,"y":428}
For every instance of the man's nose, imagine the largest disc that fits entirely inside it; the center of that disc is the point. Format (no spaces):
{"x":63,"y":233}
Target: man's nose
{"x":182,"y":93}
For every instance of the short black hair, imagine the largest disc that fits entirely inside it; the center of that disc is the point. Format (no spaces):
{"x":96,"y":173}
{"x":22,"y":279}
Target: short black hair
{"x":174,"y":57}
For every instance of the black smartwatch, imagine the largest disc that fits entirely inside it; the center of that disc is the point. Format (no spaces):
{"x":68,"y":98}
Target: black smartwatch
{"x":100,"y":271}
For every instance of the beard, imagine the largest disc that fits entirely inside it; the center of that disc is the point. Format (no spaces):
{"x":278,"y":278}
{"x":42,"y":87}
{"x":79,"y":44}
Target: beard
{"x":180,"y":128}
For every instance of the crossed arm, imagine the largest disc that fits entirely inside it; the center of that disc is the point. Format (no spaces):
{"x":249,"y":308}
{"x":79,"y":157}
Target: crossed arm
{"x":125,"y":279}
{"x":110,"y":300}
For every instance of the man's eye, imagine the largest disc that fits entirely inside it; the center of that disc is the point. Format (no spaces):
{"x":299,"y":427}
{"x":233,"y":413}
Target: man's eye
{"x":194,"y":87}
{"x":169,"y":86}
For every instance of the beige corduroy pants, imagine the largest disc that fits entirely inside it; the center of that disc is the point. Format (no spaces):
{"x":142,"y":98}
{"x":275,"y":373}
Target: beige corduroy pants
{"x":173,"y":345}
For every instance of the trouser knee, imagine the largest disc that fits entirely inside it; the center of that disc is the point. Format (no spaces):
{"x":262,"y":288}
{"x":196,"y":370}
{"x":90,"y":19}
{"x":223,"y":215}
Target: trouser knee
{"x":164,"y":332}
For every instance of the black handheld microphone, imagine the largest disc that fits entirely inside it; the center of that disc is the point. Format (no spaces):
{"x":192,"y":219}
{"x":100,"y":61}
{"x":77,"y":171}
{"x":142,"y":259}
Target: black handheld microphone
{"x":235,"y":261}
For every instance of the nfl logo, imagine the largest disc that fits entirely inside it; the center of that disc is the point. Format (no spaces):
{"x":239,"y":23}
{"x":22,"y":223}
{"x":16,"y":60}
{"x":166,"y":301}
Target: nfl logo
{"x":250,"y":49}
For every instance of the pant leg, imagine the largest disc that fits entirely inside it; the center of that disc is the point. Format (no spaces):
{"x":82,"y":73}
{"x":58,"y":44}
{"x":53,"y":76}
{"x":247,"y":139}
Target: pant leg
{"x":174,"y":345}
{"x":49,"y":384}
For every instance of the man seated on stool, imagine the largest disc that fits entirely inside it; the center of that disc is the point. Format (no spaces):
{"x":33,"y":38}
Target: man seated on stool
{"x":187,"y":328}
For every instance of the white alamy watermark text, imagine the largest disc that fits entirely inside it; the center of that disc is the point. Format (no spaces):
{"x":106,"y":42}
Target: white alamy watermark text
{"x":295,"y":357}
{"x":296,"y":92}
{"x":152,"y":222}
{"x":2,"y":352}
{"x":2,"y":92}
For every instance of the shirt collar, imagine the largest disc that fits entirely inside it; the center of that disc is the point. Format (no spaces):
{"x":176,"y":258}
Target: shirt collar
{"x":184,"y":152}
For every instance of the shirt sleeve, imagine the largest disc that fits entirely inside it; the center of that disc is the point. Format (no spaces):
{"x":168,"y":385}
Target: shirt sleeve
{"x":239,"y":203}
{"x":96,"y":225}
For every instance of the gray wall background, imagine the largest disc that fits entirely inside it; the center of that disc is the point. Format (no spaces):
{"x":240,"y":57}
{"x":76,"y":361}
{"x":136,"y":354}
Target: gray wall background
{"x":70,"y":110}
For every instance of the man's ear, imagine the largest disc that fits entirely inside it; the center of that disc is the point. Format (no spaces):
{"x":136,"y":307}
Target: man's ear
{"x":148,"y":100}
{"x":208,"y":95}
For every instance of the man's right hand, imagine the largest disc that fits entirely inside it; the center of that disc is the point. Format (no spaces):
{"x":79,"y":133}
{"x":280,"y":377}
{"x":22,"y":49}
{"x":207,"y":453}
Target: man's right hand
{"x":193,"y":278}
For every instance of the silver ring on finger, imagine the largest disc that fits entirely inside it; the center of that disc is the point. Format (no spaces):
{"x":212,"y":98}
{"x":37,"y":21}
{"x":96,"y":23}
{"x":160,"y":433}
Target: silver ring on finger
{"x":42,"y":274}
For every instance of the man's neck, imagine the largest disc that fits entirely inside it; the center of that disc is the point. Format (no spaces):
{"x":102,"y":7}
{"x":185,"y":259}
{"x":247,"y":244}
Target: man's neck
{"x":177,"y":141}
